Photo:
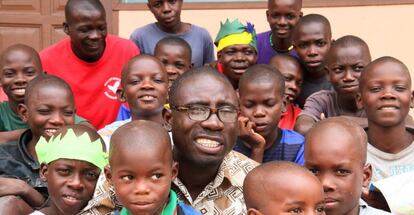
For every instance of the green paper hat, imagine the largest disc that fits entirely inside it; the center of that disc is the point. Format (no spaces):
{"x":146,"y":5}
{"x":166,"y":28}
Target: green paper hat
{"x":70,"y":146}
{"x":233,"y":33}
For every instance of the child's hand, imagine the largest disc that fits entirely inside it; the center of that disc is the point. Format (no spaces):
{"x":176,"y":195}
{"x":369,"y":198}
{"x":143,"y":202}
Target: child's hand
{"x":248,"y":135}
{"x":17,"y":187}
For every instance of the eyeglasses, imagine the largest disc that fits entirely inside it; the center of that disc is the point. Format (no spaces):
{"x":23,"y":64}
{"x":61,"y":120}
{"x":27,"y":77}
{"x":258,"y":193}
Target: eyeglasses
{"x":202,"y":113}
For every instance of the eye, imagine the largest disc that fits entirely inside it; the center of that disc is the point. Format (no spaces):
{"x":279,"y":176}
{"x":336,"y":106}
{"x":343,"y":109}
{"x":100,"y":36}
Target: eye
{"x":156,"y":176}
{"x":295,"y":210}
{"x":179,"y":65}
{"x":337,"y":69}
{"x":83,"y":29}
{"x":320,"y":209}
{"x":287,"y":78}
{"x":127,"y":178}
{"x":43,"y":111}
{"x":320,"y":43}
{"x":134,"y":81}
{"x":248,"y":52}
{"x":63,"y":171}
{"x":374,"y":89}
{"x":290,"y":16}
{"x":8,"y":73}
{"x":314,"y":171}
{"x":172,"y":1}
{"x":342,"y":172}
{"x":400,"y":88}
{"x":359,"y":68}
{"x":91,"y":175}
{"x":248,"y":104}
{"x":270,"y":103}
{"x":302,"y":45}
{"x":68,"y":113}
{"x":230,"y":52}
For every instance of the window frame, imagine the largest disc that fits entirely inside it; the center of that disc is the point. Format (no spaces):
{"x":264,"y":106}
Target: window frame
{"x":118,"y":6}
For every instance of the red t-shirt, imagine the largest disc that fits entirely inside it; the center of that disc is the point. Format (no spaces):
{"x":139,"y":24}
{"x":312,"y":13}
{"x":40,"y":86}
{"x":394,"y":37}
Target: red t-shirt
{"x":288,"y":118}
{"x":93,"y":84}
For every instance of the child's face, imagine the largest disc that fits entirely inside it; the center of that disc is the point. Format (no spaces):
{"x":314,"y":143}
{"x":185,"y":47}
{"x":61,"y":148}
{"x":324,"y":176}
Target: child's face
{"x":48,"y":110}
{"x":142,"y":186}
{"x":145,"y":86}
{"x":339,"y":167}
{"x":176,"y":60}
{"x":282,"y":16}
{"x":386,"y":94}
{"x":303,"y":195}
{"x":87,"y":30}
{"x":166,"y":12}
{"x":293,"y":78}
{"x":17,"y":69}
{"x":312,"y":44}
{"x":236,"y":59}
{"x":262,"y":103}
{"x":71,"y":184}
{"x":345,"y":66}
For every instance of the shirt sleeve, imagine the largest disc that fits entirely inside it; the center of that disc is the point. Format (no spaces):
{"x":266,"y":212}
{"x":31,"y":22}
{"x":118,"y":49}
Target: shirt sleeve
{"x":314,"y":106}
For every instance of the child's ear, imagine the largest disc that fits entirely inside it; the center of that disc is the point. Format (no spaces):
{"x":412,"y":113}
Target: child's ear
{"x":284,"y":104}
{"x":367,"y":179}
{"x":358,"y":100}
{"x":267,"y":14}
{"x":120,"y":95}
{"x":253,"y":211}
{"x":412,"y":100}
{"x":174,"y":170}
{"x":108,"y":173}
{"x":43,"y":172}
{"x":191,"y":65}
{"x":326,"y":70}
{"x":23,"y":113}
{"x":65,"y":28}
{"x":301,"y":14}
{"x":218,"y":56}
{"x":166,"y":115}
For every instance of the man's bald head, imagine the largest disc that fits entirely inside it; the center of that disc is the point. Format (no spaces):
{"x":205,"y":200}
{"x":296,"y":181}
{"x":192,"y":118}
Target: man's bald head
{"x":73,"y":5}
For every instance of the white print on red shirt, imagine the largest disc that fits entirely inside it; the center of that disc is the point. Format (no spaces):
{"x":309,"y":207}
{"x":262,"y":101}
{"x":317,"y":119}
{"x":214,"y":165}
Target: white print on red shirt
{"x":111,"y":85}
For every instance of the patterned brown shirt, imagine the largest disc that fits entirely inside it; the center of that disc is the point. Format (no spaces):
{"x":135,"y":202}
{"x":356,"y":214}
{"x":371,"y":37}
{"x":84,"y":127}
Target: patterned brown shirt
{"x":224,"y":195}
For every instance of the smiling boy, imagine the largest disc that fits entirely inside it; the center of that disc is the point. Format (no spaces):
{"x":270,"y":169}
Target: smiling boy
{"x":49,"y":105}
{"x":282,"y":16}
{"x":90,"y":60}
{"x":168,"y":16}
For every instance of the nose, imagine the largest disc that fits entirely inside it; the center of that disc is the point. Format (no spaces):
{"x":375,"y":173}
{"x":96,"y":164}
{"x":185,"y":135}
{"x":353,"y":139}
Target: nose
{"x":57,"y":119}
{"x":166,"y":7}
{"x":75,"y":182}
{"x":327,"y":183}
{"x":282,"y":20}
{"x":259,"y":112}
{"x":388,"y":93}
{"x":20,"y":79}
{"x":147,"y":84}
{"x":292,"y":86}
{"x":239,"y":56}
{"x":213,"y":123}
{"x":170,"y":70}
{"x":312,"y":51}
{"x":95,"y":34}
{"x":141,"y":188}
{"x":349,"y":76}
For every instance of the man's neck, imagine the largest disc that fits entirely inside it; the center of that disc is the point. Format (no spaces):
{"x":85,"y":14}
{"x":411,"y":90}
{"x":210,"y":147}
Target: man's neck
{"x":177,"y":29}
{"x":315,"y":74}
{"x":389,"y":139}
{"x":281,"y":44}
{"x":196,"y":178}
{"x":347,"y":104}
{"x":155,"y":117}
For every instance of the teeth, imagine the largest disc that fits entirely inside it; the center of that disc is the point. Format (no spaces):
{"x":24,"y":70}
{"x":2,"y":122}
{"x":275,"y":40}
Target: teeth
{"x":19,"y":91}
{"x":208,"y":143}
{"x":50,"y":131}
{"x":148,"y":97}
{"x":388,"y":108}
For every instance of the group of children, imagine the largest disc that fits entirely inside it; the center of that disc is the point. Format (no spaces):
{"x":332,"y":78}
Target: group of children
{"x":350,"y":116}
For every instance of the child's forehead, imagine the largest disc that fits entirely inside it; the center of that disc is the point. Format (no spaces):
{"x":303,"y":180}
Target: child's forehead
{"x":18,"y":55}
{"x":314,"y":27}
{"x":293,"y":4}
{"x":73,"y":163}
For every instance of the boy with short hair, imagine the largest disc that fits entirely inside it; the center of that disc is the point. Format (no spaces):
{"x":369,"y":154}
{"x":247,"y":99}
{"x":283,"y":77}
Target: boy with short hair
{"x":168,"y":16}
{"x":340,"y":165}
{"x":266,"y":191}
{"x":346,"y":61}
{"x":312,"y":40}
{"x":49,"y":105}
{"x":236,"y":49}
{"x":175,"y":54}
{"x":144,"y":86}
{"x":71,"y":162}
{"x":261,"y":91}
{"x":282,"y":16}
{"x":18,"y":65}
{"x":144,"y":186}
{"x":290,"y":68}
{"x":386,"y":96}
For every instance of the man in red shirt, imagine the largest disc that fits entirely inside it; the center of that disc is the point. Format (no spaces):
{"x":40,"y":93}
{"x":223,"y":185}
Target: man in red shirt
{"x":89,"y":60}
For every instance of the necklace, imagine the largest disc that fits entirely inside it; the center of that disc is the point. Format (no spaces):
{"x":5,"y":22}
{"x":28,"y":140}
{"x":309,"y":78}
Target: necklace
{"x":272,"y":45}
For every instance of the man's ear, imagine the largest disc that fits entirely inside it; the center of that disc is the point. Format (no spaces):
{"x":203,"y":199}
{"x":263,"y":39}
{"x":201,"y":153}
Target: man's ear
{"x":167,"y":116}
{"x":43,"y":172}
{"x":23,"y":112}
{"x":218,"y":56}
{"x":366,"y":179}
{"x":65,"y":28}
{"x":120,"y":95}
{"x":358,"y":100}
{"x":108,"y":173}
{"x":174,"y":170}
{"x":253,"y":211}
{"x":267,"y":14}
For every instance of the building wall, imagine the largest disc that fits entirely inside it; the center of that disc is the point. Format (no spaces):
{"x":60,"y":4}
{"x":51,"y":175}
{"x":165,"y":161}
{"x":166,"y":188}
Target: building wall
{"x":388,"y":30}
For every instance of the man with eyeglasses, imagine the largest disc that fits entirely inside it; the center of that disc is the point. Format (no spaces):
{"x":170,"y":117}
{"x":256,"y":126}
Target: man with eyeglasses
{"x":203,"y":121}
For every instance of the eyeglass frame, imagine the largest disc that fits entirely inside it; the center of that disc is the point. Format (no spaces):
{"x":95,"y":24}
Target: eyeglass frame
{"x":185,"y":108}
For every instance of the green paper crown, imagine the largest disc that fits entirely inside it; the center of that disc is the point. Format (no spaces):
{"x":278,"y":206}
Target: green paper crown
{"x":235,"y":27}
{"x":70,"y":146}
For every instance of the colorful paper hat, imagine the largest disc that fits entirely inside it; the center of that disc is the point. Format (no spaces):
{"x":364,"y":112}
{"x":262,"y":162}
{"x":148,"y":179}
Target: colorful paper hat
{"x":234,"y":33}
{"x":70,"y":146}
